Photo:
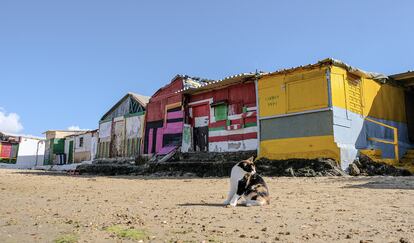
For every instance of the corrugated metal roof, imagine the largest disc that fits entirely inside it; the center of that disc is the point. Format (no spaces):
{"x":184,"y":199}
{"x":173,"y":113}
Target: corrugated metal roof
{"x":359,"y":72}
{"x":82,"y":133}
{"x":213,"y":84}
{"x":188,"y":83}
{"x":379,"y":77}
{"x":21,"y":135}
{"x":58,"y":130}
{"x":406,"y":78}
{"x":331,"y":61}
{"x":195,"y":82}
{"x":143,"y":100}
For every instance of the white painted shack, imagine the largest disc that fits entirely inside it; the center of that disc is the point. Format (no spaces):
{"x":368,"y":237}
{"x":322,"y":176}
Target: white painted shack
{"x":121,"y":128}
{"x":31,"y":152}
{"x":81,"y":147}
{"x":21,"y":151}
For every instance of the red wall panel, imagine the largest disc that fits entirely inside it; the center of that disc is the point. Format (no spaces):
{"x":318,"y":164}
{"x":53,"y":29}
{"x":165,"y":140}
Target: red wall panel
{"x":156,"y":112}
{"x":156,"y":106}
{"x":201,"y":110}
{"x":5,"y":150}
{"x":238,"y":94}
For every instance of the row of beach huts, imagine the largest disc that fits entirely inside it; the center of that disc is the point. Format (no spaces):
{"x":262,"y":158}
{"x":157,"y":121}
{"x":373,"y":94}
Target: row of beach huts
{"x":324,"y":110}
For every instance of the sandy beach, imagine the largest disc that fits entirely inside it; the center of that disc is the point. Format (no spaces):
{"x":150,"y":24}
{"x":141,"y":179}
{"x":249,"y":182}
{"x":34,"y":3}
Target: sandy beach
{"x":38,"y":206}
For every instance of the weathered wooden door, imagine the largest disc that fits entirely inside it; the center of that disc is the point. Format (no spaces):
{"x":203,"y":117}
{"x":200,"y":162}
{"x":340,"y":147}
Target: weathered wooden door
{"x":118,"y":139}
{"x":200,"y":132}
{"x":409,"y":109}
{"x":70,"y":156}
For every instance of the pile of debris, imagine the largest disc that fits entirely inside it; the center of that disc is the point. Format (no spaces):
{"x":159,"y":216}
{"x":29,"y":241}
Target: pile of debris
{"x":111,"y":169}
{"x":191,"y":169}
{"x":220,"y":164}
{"x":114,"y":166}
{"x":203,"y":164}
{"x":200,"y":164}
{"x":365,"y":166}
{"x":299,"y":167}
{"x":115,"y":161}
{"x":213,"y":165}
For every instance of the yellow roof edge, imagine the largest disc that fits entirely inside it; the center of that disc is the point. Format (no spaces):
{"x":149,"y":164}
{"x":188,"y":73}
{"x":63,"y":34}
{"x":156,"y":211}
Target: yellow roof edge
{"x":333,"y":62}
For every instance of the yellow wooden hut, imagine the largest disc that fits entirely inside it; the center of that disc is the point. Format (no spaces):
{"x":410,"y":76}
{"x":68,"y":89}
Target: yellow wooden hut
{"x":331,"y":110}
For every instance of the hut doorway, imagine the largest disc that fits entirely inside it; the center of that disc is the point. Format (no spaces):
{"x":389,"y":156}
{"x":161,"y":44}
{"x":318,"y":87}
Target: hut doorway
{"x":70,"y":157}
{"x":200,"y":132}
{"x":409,"y":109}
{"x":118,"y":138}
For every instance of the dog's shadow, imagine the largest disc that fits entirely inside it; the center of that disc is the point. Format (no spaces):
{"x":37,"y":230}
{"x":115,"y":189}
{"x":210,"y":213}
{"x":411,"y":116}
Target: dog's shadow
{"x":201,"y":205}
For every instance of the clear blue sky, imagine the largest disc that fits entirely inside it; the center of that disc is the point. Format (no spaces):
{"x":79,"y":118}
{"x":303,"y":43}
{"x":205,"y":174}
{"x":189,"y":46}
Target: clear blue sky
{"x":65,"y":63}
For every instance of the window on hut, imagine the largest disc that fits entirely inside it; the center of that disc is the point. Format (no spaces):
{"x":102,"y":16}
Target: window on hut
{"x":80,"y":142}
{"x":220,"y":110}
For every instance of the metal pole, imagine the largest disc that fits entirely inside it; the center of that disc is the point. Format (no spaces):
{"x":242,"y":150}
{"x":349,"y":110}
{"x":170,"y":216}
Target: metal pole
{"x":328,"y":80}
{"x":256,"y":85}
{"x":37,"y":151}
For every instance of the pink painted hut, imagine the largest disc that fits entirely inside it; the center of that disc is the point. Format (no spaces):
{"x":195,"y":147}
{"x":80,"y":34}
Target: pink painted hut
{"x":165,"y":115}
